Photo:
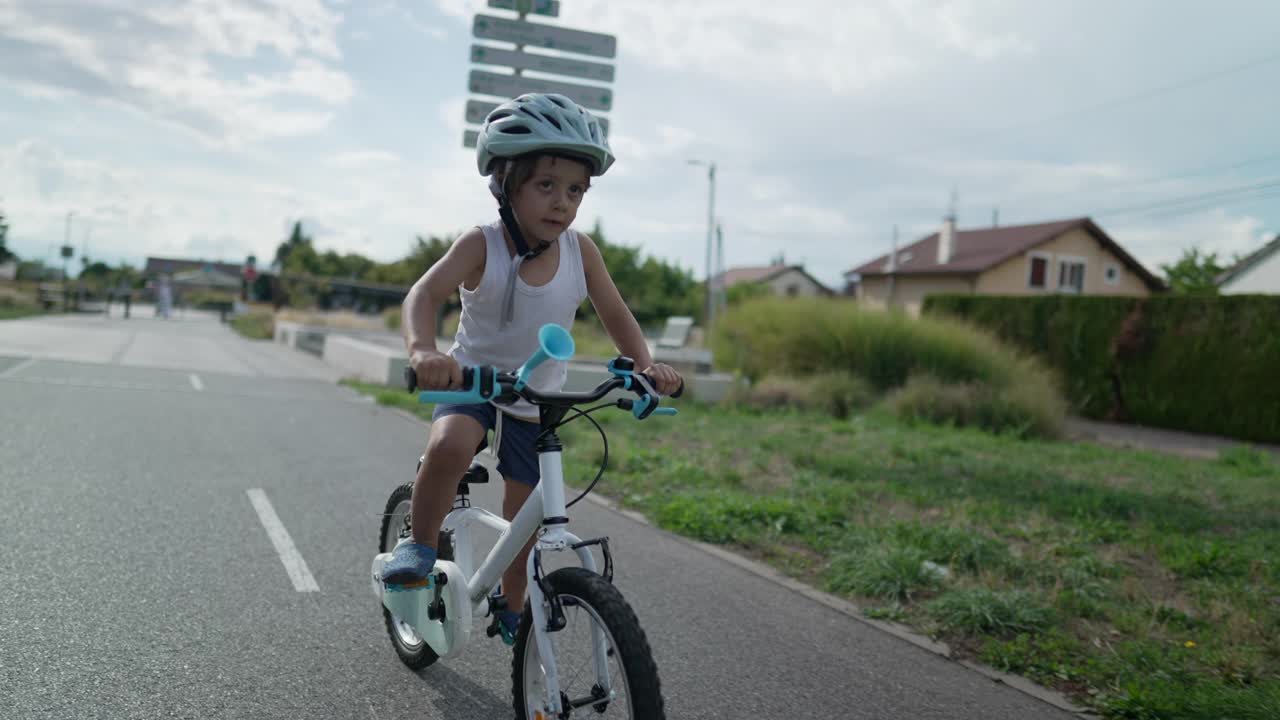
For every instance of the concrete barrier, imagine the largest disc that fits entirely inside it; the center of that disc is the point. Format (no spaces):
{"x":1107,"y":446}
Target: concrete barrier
{"x":365,"y":360}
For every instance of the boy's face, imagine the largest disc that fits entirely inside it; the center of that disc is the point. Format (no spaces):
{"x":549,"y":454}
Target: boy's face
{"x":548,"y":202}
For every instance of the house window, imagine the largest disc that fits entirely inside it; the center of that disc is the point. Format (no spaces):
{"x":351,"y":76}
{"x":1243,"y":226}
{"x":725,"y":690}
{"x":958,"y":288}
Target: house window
{"x":793,"y":290}
{"x":1071,"y":276}
{"x":1039,"y":271}
{"x":1112,"y":274}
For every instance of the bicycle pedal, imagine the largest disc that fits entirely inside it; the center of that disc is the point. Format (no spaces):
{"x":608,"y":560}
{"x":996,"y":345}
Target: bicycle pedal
{"x":425,"y":583}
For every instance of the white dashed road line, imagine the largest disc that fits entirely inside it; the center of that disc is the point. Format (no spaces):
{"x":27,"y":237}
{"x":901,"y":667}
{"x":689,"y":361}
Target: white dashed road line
{"x":294,"y":565}
{"x":195,"y":382}
{"x":18,"y":368}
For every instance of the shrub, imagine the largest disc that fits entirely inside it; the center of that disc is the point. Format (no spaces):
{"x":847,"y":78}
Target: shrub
{"x":1196,"y":363}
{"x":807,"y":338}
{"x":836,"y":394}
{"x":1023,"y":411}
{"x":391,"y":318}
{"x":256,"y":325}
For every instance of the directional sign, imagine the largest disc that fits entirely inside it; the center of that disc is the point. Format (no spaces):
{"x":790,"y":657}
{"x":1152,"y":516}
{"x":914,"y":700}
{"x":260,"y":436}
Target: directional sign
{"x":478,"y":110}
{"x":509,"y":86}
{"x":550,"y":8}
{"x":600,"y":72}
{"x":519,"y":32}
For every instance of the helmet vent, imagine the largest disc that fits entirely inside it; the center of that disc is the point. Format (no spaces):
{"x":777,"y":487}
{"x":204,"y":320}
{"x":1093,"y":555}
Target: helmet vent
{"x":515,"y":130}
{"x":553,"y":121}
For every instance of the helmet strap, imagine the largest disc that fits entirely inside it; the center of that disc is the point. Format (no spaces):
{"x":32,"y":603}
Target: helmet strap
{"x":499,"y":191}
{"x":517,"y":237}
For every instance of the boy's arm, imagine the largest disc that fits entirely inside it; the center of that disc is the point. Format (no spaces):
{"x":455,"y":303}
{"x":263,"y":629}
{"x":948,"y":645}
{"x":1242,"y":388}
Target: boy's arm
{"x":617,"y":319}
{"x":612,"y":310}
{"x":463,"y":261}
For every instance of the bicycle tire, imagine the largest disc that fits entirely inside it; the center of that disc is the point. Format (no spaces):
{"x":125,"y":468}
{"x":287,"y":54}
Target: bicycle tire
{"x":412,"y":650}
{"x":582,"y":590}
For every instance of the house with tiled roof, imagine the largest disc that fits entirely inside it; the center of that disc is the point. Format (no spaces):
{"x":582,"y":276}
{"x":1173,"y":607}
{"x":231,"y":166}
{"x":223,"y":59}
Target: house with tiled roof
{"x":1068,"y":256}
{"x":1257,"y":272}
{"x":784,"y":280}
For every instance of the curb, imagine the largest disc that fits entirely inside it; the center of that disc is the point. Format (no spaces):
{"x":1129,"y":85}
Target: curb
{"x":840,"y":605}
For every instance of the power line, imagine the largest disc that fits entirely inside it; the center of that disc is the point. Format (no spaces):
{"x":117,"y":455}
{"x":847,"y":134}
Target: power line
{"x":1122,"y":186}
{"x":1198,"y":205}
{"x":1198,"y":197}
{"x":1101,"y":105}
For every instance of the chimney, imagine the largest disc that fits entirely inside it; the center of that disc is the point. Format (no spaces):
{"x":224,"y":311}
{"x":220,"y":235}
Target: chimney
{"x":947,"y":240}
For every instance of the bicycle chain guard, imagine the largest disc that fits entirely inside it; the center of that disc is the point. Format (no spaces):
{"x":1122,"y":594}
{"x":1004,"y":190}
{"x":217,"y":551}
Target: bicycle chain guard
{"x":439,"y":611}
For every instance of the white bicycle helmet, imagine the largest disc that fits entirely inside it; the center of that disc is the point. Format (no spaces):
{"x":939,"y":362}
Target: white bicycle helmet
{"x":542,"y":122}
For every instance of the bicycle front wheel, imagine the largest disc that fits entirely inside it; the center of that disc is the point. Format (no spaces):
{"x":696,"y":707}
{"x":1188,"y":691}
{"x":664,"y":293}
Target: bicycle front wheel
{"x":602,"y":656}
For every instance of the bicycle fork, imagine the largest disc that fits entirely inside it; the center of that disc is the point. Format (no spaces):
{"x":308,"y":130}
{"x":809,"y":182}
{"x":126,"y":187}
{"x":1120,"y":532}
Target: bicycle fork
{"x":548,"y":615}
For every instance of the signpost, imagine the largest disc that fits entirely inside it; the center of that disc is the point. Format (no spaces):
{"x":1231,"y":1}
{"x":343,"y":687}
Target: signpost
{"x":598,"y":72}
{"x":550,"y":8}
{"x":487,"y":83}
{"x":521,"y":33}
{"x":490,"y":27}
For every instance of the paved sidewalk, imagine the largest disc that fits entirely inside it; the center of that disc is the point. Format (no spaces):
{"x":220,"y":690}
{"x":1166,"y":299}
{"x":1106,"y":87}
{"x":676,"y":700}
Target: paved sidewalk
{"x":1146,"y":438}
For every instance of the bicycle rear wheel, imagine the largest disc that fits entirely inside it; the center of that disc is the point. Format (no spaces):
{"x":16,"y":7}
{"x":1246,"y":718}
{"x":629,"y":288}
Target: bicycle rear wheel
{"x":397,"y":523}
{"x":590,"y":602}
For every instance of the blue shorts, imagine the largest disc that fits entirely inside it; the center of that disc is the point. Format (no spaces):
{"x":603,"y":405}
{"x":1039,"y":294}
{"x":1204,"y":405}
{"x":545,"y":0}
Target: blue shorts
{"x":518,"y":454}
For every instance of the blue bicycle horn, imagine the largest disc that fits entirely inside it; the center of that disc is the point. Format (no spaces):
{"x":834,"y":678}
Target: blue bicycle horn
{"x":554,"y":343}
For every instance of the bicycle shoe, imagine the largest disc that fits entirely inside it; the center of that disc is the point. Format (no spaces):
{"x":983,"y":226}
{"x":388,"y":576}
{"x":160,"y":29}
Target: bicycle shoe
{"x":410,"y":564}
{"x":508,"y":624}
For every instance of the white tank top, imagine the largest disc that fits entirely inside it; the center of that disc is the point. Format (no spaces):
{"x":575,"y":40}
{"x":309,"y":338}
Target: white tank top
{"x":481,"y":339}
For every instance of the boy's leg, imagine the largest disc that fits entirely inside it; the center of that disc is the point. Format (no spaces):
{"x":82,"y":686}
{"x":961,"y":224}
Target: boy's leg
{"x":516,"y":577}
{"x":450,"y":448}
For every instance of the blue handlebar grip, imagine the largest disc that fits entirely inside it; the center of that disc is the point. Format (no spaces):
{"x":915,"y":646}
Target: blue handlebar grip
{"x":473,"y":396}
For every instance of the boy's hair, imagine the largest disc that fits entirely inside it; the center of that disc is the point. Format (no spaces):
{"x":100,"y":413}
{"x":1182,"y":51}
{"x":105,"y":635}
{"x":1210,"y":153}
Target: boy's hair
{"x":518,"y":170}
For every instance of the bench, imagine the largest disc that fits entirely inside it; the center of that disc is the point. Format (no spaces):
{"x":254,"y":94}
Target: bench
{"x":50,"y":296}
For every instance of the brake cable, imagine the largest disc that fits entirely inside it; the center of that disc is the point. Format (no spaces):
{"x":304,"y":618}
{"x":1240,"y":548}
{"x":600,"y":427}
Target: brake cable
{"x":604,"y":462}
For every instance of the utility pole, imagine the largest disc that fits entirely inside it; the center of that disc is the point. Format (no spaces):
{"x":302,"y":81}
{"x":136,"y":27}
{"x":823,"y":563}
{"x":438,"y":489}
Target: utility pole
{"x":720,"y":269}
{"x":711,"y":214}
{"x":893,"y":267}
{"x":66,"y":246}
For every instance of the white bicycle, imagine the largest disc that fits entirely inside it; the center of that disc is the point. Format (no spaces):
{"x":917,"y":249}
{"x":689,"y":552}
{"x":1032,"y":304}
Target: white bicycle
{"x":579,"y":646}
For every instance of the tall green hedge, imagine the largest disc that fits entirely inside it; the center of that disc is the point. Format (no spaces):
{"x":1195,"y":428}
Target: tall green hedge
{"x":1196,"y":363}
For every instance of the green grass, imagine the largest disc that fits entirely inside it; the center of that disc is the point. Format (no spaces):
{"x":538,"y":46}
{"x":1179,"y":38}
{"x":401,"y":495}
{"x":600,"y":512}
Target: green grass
{"x":1144,"y":585}
{"x":255,"y":325}
{"x":14,"y":312}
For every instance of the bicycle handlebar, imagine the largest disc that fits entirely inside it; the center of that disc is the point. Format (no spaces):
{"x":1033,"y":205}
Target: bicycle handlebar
{"x":482,"y":384}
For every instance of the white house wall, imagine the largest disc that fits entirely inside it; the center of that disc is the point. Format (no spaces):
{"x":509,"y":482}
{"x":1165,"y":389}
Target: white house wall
{"x":1261,"y":278}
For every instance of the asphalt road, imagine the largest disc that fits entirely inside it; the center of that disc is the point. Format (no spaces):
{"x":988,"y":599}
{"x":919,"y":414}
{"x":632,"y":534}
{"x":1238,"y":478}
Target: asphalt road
{"x":137,"y":580}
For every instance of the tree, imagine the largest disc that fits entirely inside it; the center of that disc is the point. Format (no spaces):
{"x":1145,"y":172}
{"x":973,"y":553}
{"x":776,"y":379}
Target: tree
{"x":653,"y":289}
{"x":5,"y":254}
{"x":296,"y":240}
{"x":1194,"y":273}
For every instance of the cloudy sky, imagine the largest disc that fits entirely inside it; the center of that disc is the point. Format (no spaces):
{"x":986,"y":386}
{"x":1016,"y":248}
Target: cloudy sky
{"x":205,"y":128}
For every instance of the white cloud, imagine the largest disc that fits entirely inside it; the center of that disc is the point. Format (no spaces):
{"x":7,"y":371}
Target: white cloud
{"x":364,"y":159}
{"x":828,"y":46}
{"x":167,"y":61}
{"x":1212,"y":231}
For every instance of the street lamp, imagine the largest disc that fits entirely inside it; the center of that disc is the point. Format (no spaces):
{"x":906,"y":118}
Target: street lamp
{"x":711,"y":212}
{"x":66,"y":246}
